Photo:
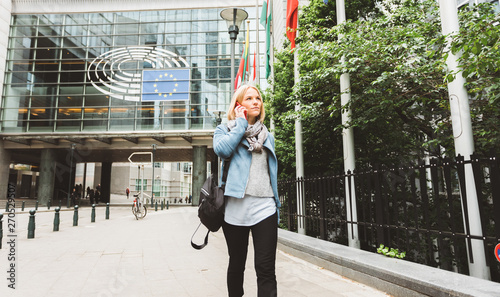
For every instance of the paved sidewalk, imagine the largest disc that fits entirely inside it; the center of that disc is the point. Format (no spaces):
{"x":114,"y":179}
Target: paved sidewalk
{"x":150,"y":257}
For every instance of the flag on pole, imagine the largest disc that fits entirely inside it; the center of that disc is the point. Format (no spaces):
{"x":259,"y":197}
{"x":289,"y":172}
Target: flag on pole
{"x":242,"y":75}
{"x":292,"y":13}
{"x":247,"y":49}
{"x":239,"y":75}
{"x":253,"y":73}
{"x":265,"y":20}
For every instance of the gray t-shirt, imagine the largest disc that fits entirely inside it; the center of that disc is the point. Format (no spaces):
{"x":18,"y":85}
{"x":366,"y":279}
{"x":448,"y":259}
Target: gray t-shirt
{"x":258,"y":203}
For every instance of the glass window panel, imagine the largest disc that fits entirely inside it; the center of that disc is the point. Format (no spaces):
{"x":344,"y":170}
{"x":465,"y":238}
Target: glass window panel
{"x":43,"y":101}
{"x":46,"y":73}
{"x":204,"y":26}
{"x":178,"y":15}
{"x":95,"y":30}
{"x":70,"y":95}
{"x":101,"y":18}
{"x":126,"y":28}
{"x":95,"y":111}
{"x":125,"y":40}
{"x":153,"y":16}
{"x":22,"y":31}
{"x":23,"y":19}
{"x":81,"y":18}
{"x":127,"y":17}
{"x":49,"y":30}
{"x":73,"y":31}
{"x":180,"y":38}
{"x":67,"y":115}
{"x":152,"y":39}
{"x":42,"y":119}
{"x":205,"y":14}
{"x":51,"y":19}
{"x":177,"y":27}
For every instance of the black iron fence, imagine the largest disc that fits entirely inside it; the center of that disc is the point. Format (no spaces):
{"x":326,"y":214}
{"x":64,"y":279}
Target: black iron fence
{"x":416,"y":209}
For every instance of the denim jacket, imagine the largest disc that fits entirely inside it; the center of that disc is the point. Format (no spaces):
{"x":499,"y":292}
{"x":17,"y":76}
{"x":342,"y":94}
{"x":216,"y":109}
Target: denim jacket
{"x":232,"y":145}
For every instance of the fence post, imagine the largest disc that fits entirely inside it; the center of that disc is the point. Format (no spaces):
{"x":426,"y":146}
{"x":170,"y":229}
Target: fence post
{"x":56,"y":219}
{"x":31,"y":224}
{"x":75,"y":216}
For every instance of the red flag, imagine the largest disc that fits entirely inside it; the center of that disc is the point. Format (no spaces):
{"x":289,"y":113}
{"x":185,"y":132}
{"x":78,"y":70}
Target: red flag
{"x":254,"y":69}
{"x":292,"y":13}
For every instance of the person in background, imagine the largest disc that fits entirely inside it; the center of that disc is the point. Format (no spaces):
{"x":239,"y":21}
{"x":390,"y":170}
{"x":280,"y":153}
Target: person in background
{"x":251,"y":191}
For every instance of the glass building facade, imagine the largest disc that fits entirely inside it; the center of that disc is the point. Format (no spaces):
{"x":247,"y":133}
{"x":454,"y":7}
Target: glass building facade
{"x":83,"y":72}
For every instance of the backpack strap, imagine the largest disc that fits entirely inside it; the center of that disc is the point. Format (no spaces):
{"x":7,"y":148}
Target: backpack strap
{"x":196,"y":246}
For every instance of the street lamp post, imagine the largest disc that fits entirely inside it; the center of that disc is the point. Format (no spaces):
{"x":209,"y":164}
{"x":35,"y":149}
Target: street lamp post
{"x":233,"y":18}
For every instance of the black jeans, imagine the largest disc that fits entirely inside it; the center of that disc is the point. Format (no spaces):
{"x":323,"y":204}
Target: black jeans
{"x":265,"y":238}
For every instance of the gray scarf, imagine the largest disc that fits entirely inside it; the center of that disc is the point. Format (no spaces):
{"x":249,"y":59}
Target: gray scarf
{"x":255,"y":134}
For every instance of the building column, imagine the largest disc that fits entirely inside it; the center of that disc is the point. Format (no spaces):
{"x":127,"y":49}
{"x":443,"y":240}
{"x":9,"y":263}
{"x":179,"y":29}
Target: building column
{"x":106,"y":182}
{"x":199,"y":172}
{"x":4,"y":170}
{"x":47,"y":176}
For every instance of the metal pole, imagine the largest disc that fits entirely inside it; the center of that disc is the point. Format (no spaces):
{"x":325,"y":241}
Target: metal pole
{"x":463,"y":138}
{"x":232,"y":65}
{"x":299,"y":150}
{"x":257,"y":27}
{"x":348,"y":143}
{"x":70,"y":172}
{"x":153,"y":172}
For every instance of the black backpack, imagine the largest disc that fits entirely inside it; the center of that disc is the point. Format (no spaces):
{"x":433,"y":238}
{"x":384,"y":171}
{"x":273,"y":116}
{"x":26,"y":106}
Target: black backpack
{"x":211,"y":207}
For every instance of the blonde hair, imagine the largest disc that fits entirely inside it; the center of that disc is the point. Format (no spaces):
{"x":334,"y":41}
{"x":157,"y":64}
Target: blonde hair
{"x":238,"y":97}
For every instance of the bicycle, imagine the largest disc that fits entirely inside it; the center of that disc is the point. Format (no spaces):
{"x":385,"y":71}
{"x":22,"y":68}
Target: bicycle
{"x":138,"y":208}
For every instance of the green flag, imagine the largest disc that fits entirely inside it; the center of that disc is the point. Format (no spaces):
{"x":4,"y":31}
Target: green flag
{"x":265,"y":20}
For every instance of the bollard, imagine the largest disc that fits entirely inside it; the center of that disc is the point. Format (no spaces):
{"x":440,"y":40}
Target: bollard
{"x":56,"y":219}
{"x":151,"y":202}
{"x":107,"y":211}
{"x":60,"y":203}
{"x":92,"y":216}
{"x":22,"y":208}
{"x":7,"y":206}
{"x":1,"y":230}
{"x":156,"y":206}
{"x":167,"y":204}
{"x":31,"y":224}
{"x":36,"y":205}
{"x":48,"y":204}
{"x":75,"y":216}
{"x":162,"y":204}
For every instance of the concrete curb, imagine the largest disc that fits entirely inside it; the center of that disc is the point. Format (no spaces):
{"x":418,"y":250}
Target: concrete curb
{"x":393,"y":276}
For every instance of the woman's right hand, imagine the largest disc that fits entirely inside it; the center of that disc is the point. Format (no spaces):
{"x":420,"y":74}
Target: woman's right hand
{"x":240,"y":112}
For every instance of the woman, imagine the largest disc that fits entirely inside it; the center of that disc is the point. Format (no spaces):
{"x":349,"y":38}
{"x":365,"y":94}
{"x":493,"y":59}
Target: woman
{"x":251,"y":191}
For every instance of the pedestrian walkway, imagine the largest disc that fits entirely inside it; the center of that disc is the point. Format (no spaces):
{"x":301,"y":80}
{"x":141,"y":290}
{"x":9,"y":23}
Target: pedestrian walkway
{"x":123,"y":256}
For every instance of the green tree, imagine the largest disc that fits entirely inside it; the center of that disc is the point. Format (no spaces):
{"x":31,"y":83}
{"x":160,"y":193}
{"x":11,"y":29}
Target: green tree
{"x":396,"y":57}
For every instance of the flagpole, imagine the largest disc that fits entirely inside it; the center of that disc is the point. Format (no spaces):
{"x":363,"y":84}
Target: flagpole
{"x":464,"y":143}
{"x":257,"y":68}
{"x":299,"y":149}
{"x":348,"y":144}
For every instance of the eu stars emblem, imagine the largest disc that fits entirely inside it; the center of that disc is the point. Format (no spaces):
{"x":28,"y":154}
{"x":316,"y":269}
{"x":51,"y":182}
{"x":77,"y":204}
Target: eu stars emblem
{"x":165,"y":84}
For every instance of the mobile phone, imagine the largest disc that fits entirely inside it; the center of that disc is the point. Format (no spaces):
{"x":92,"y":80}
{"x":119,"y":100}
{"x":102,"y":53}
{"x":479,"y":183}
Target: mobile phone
{"x":244,"y":109}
